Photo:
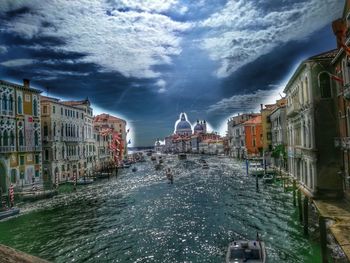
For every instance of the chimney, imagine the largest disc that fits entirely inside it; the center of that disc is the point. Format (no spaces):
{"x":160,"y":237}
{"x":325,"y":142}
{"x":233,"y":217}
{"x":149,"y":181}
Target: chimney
{"x":261,"y":106}
{"x":26,"y":83}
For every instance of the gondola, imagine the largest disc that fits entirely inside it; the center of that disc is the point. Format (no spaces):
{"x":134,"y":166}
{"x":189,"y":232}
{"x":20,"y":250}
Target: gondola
{"x":10,"y":212}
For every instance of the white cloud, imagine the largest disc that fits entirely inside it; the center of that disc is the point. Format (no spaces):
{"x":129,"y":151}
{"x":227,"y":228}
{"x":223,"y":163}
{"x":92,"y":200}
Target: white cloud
{"x":131,"y":43}
{"x":241,"y":32}
{"x":246,"y":102}
{"x":18,"y":62}
{"x":3,"y":49}
{"x":161,"y":84}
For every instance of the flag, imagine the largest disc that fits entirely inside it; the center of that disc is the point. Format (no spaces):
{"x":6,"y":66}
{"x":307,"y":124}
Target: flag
{"x":128,"y":130}
{"x":129,"y":142}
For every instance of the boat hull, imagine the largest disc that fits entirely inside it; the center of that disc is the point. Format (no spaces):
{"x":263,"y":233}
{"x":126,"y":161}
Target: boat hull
{"x":8,"y":213}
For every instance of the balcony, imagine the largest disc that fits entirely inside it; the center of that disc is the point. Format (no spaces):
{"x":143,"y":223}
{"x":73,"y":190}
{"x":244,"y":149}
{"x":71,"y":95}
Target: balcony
{"x":29,"y":148}
{"x":73,"y":158}
{"x":7,"y":149}
{"x":71,"y":139}
{"x":7,"y":113}
{"x":293,"y":109}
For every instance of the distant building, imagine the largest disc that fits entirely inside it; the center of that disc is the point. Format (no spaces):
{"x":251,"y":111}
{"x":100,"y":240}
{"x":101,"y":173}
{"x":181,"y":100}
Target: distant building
{"x":20,"y":135}
{"x":312,"y":157}
{"x":117,"y":128}
{"x":236,"y":136}
{"x":253,"y":136}
{"x":278,"y":120}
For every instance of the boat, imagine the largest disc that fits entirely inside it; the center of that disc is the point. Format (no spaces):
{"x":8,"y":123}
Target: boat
{"x":36,"y":195}
{"x":9,"y":212}
{"x":153,"y":158}
{"x":268,"y":178}
{"x":202,"y":161}
{"x":134,"y":169}
{"x":205,"y":166}
{"x":169,"y":175}
{"x":246,"y":251}
{"x":257,"y":172}
{"x":182,"y":156}
{"x":84,"y":181}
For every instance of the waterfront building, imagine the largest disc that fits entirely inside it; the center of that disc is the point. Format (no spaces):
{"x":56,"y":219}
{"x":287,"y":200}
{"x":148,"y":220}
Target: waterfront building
{"x":236,"y":136}
{"x":341,"y":91}
{"x":278,"y":120}
{"x":312,"y":157}
{"x":253,"y":137}
{"x":64,"y":148}
{"x":113,"y":129}
{"x":265,"y":111}
{"x":183,"y":127}
{"x":158,"y":146}
{"x":20,"y":135}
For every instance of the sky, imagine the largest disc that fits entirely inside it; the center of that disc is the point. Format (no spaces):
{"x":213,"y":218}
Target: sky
{"x":149,"y":60}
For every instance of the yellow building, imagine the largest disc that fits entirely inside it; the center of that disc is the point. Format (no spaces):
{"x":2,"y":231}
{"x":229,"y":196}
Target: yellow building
{"x":20,"y":135}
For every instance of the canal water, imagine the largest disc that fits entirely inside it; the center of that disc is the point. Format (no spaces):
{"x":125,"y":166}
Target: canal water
{"x":139,"y":217}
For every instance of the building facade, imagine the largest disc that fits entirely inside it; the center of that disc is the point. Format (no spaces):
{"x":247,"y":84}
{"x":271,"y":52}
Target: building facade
{"x":20,"y":135}
{"x":236,"y":136}
{"x":64,"y":150}
{"x":312,"y":157}
{"x":253,"y":137}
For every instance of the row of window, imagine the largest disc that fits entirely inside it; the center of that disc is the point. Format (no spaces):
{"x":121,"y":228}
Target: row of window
{"x":8,"y":138}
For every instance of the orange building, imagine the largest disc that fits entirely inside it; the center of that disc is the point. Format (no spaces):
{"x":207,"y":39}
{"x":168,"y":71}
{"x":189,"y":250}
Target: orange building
{"x":253,"y":136}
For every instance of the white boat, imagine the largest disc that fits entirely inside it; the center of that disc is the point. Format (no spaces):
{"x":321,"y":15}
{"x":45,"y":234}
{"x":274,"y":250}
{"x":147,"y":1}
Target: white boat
{"x":246,"y":251}
{"x":205,"y":166}
{"x":268,"y":178}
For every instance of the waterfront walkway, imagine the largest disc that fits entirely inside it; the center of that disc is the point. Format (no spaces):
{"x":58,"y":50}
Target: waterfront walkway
{"x":339,"y":212}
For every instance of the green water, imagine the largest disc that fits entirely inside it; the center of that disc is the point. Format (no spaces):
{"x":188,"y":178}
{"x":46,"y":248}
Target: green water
{"x":139,"y":217}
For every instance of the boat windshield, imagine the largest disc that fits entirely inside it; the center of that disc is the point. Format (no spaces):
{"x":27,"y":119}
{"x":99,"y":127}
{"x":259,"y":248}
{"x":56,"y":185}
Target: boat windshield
{"x":247,"y":254}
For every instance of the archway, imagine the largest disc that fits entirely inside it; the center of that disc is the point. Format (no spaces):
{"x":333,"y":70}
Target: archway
{"x":3,"y":179}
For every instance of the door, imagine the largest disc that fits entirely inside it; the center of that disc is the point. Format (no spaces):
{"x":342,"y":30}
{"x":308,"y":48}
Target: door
{"x":3,"y":179}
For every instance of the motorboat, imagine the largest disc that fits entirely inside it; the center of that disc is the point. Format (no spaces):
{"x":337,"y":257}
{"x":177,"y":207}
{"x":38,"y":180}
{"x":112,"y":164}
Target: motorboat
{"x":202,"y":161}
{"x":9,"y":212}
{"x":84,"y":181}
{"x":182,"y":156}
{"x":170,"y":176}
{"x":134,"y":169}
{"x":246,"y":251}
{"x":153,"y":158}
{"x":205,"y":166}
{"x":268,"y":178}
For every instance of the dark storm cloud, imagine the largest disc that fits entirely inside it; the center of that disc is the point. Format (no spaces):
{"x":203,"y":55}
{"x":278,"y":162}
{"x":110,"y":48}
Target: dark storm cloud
{"x":151,"y":60}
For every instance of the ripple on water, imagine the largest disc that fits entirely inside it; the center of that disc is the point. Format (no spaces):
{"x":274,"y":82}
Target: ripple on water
{"x":139,"y":217}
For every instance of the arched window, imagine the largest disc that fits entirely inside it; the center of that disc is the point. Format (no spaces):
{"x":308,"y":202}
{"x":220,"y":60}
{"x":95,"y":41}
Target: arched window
{"x":306,"y":88}
{"x":19,"y":105}
{"x":46,"y":129}
{"x":20,"y":138}
{"x":54,"y":129}
{"x":4,"y":102}
{"x":36,"y":138}
{"x":11,"y":103}
{"x":325,"y":85}
{"x":12,"y":139}
{"x":13,"y":176}
{"x":6,"y":138}
{"x":35,"y":107}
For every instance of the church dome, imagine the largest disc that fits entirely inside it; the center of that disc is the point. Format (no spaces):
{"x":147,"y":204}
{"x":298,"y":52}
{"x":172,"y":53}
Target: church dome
{"x":183,"y":126}
{"x":198,"y":127}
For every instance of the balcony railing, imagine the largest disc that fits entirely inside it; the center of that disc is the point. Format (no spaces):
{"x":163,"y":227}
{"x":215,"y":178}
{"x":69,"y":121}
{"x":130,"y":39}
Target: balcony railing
{"x":71,"y":139}
{"x":29,"y":148}
{"x":7,"y":149}
{"x":73,"y":158}
{"x":293,"y":109}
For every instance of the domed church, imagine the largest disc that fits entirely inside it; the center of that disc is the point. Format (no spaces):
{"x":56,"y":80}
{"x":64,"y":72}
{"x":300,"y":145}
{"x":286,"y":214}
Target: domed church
{"x":183,"y":126}
{"x":200,"y":127}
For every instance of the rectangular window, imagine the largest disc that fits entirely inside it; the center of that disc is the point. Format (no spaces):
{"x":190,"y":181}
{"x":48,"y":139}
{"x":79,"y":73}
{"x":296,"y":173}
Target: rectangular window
{"x":62,"y":111}
{"x":46,"y":155}
{"x":21,"y":160}
{"x":37,"y":159}
{"x":65,"y":112}
{"x":45,"y":109}
{"x":53,"y":109}
{"x":37,"y":173}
